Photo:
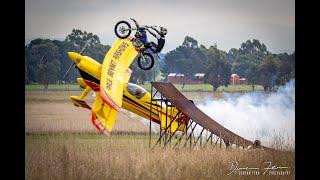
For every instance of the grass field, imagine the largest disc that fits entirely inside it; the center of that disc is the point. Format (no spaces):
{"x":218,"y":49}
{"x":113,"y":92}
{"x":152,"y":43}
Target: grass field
{"x":147,"y":86}
{"x":91,"y":156}
{"x":62,"y":143}
{"x":53,"y":87}
{"x":51,"y":111}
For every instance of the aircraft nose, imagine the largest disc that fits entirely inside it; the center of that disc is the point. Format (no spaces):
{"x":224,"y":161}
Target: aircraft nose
{"x":75,"y":57}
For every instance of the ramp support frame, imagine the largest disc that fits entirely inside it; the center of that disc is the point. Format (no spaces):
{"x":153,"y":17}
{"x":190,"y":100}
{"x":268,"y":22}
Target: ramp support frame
{"x":165,"y":135}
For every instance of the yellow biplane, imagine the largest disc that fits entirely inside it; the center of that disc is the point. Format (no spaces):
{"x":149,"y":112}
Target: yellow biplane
{"x":110,"y":82}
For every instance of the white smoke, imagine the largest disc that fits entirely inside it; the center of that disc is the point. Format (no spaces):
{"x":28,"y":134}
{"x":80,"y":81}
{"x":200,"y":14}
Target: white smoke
{"x":257,"y":115}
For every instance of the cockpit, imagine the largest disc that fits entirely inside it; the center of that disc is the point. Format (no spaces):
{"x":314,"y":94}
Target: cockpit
{"x":136,"y":90}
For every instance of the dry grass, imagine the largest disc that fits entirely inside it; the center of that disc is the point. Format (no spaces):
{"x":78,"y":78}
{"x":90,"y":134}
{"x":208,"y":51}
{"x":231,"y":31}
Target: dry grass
{"x":53,"y":112}
{"x":60,"y":96}
{"x":56,"y":96}
{"x":64,"y":117}
{"x":61,"y":143}
{"x":70,"y":156}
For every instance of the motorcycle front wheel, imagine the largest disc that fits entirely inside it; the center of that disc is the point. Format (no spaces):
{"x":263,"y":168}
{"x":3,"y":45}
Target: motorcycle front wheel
{"x":122,"y":29}
{"x":145,"y":61}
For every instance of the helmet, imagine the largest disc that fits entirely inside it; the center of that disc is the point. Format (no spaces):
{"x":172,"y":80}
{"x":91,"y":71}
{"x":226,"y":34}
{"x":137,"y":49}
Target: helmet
{"x":163,"y":31}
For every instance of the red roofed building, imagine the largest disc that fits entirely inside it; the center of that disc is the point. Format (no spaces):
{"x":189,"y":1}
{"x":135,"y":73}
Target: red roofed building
{"x":176,"y":78}
{"x":236,"y":80}
{"x":243,"y":81}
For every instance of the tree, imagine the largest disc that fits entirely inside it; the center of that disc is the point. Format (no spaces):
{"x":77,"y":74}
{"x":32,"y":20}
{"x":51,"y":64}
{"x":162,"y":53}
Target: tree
{"x":32,"y":59}
{"x":47,"y":57}
{"x":140,"y":76}
{"x":79,"y":38}
{"x":48,"y":73}
{"x":26,"y":77}
{"x":74,"y":42}
{"x":292,"y":61}
{"x":251,"y":53}
{"x":63,"y":48}
{"x":232,"y":54}
{"x":97,"y":52}
{"x":187,"y":59}
{"x":219,"y":70}
{"x":254,"y":48}
{"x":268,"y":73}
{"x":94,"y":49}
{"x":190,"y":42}
{"x":283,"y":72}
{"x":253,"y":61}
{"x":252,"y":75}
{"x":288,"y":63}
{"x":241,"y":64}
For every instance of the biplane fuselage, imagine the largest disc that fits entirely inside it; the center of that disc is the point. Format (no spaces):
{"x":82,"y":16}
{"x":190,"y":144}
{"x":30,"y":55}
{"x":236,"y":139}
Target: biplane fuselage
{"x":134,"y":99}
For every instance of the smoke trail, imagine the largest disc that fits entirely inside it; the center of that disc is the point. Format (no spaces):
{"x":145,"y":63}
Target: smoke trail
{"x":256,"y":115}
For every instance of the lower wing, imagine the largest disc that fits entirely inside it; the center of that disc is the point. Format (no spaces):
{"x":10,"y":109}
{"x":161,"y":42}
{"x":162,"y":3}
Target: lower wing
{"x":103,"y":116}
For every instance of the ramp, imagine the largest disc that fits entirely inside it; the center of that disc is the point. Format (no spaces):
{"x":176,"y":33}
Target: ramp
{"x":188,"y":108}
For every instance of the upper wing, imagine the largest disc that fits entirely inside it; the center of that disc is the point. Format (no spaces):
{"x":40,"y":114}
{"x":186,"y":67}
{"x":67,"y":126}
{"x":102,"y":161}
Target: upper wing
{"x":115,"y":72}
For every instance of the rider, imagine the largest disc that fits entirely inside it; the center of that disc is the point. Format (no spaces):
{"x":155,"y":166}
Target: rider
{"x":160,"y":37}
{"x":142,"y":35}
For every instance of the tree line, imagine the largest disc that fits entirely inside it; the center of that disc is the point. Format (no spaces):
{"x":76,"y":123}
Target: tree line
{"x":46,"y":62}
{"x":252,"y":61}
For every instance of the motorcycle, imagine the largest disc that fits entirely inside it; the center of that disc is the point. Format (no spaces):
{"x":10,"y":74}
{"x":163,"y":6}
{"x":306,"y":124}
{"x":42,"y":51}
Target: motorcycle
{"x":123,"y":30}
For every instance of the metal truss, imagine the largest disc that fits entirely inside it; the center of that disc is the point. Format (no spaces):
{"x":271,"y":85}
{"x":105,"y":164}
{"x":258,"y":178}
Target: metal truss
{"x":187,"y":138}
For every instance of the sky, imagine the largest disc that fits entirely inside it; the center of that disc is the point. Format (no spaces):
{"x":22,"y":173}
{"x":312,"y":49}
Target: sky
{"x":226,"y":23}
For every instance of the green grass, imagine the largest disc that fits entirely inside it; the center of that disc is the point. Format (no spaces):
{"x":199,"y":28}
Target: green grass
{"x":239,"y":88}
{"x":208,"y":88}
{"x":53,"y":87}
{"x":147,"y":86}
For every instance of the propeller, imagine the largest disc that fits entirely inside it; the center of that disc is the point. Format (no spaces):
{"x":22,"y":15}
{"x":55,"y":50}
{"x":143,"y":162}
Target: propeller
{"x":81,"y":52}
{"x":85,"y":46}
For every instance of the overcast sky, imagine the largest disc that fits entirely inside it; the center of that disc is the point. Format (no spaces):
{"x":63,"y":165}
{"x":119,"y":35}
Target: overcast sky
{"x":225,"y":22}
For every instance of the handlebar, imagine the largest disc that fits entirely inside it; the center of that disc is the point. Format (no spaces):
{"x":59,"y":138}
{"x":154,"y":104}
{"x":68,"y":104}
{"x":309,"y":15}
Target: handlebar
{"x":144,"y":27}
{"x":136,"y":23}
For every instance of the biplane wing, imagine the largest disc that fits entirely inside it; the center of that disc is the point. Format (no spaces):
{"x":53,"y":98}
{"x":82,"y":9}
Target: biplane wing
{"x":103,"y":116}
{"x":115,"y":72}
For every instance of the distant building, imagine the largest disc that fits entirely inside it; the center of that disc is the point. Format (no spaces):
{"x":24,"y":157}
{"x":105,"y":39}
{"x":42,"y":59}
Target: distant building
{"x":178,"y":78}
{"x":243,"y":81}
{"x":199,"y":76}
{"x":236,"y":80}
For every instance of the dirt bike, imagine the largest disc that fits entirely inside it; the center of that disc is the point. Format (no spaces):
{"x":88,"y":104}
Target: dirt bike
{"x":123,"y":30}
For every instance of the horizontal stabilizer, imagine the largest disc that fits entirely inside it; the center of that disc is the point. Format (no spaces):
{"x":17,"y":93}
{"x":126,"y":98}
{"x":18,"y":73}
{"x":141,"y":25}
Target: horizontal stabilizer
{"x":78,"y":102}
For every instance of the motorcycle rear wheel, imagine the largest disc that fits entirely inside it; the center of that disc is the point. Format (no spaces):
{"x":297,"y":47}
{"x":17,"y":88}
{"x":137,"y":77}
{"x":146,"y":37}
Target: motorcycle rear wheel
{"x":122,"y":29}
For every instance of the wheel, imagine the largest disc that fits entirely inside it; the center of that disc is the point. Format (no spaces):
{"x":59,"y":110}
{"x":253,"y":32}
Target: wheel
{"x":122,"y":29}
{"x":145,"y":61}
